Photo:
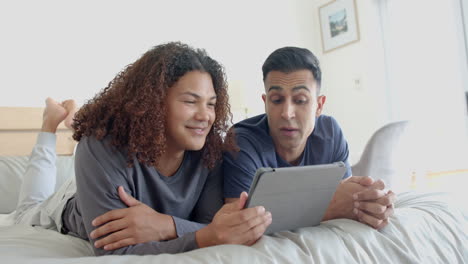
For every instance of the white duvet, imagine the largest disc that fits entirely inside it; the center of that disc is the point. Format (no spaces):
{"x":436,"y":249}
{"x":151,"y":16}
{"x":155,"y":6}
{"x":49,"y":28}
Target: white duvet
{"x":426,"y":228}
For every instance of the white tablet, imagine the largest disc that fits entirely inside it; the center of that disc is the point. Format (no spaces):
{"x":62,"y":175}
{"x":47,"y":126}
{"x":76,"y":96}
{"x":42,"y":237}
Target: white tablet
{"x":295,"y":196}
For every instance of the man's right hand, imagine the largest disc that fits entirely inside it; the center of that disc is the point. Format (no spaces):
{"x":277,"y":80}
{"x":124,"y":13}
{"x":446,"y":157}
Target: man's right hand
{"x":374,"y":204}
{"x":234,"y":225}
{"x":342,"y":203}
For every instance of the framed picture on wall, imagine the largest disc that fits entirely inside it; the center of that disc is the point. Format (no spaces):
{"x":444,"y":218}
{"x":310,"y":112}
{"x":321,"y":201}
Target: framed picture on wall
{"x":338,"y":24}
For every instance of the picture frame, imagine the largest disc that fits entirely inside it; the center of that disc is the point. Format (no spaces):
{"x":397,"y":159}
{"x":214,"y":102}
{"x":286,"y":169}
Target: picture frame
{"x":339,"y":25}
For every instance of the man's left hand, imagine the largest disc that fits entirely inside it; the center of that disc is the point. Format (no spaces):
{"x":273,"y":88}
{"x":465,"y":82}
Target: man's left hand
{"x":374,"y":205}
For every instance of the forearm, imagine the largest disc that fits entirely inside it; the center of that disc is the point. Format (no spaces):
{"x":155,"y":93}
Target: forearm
{"x":178,"y":245}
{"x":330,"y":214}
{"x":183,"y":226}
{"x":205,"y":237}
{"x":340,"y":209}
{"x":95,"y":205}
{"x":341,"y":204}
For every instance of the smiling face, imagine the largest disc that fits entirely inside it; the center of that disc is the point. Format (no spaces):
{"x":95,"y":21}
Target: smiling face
{"x":291,"y":104}
{"x":190,"y":112}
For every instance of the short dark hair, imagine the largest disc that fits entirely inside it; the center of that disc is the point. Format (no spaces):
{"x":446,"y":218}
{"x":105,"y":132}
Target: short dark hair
{"x":289,"y":59}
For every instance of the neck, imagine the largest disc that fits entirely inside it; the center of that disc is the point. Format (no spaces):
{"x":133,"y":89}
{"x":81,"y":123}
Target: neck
{"x":291,"y":155}
{"x":169,"y":162}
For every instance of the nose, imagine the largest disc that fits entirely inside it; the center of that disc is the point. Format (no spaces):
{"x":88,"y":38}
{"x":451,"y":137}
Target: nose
{"x":288,"y":111}
{"x":203,"y":113}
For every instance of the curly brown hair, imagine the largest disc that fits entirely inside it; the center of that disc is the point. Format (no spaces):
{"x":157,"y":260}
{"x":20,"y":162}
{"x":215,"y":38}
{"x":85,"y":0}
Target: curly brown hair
{"x":132,"y":108}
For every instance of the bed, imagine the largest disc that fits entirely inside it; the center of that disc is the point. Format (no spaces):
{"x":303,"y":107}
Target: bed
{"x":426,"y":228}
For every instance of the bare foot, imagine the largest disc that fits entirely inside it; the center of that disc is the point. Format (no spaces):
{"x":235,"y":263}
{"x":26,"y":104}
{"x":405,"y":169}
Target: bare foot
{"x":54,"y":113}
{"x":70,"y":106}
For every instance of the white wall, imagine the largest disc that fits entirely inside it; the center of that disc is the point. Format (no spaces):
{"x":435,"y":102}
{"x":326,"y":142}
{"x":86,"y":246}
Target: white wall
{"x":359,"y":109}
{"x":464,"y":8}
{"x":73,"y":49}
{"x":427,"y":70}
{"x":464,"y":15}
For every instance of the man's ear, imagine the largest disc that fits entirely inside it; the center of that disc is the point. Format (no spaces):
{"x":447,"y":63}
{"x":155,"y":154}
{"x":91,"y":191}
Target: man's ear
{"x":264,"y":100}
{"x":320,"y":101}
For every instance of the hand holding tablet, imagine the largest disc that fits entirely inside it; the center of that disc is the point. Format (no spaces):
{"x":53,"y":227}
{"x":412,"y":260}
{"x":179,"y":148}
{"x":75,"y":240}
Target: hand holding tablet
{"x":295,"y":196}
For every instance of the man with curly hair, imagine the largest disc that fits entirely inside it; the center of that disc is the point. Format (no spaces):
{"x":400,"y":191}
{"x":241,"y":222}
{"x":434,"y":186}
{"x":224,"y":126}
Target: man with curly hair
{"x":293,"y":132}
{"x":149,"y":148}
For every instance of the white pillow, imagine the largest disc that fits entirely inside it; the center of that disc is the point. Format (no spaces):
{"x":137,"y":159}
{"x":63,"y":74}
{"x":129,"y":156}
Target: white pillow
{"x":12,"y":169}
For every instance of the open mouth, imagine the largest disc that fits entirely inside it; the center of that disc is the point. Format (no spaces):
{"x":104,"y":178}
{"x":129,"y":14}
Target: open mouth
{"x":289,"y":131}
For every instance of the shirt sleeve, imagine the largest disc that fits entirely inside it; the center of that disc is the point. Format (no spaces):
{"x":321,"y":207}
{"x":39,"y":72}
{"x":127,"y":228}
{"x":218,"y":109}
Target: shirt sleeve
{"x":239,"y":168}
{"x":100,"y":169}
{"x":210,"y":201}
{"x":341,"y":150}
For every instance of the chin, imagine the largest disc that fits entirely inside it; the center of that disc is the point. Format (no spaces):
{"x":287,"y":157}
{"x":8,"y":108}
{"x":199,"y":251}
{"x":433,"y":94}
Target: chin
{"x":290,"y":145}
{"x":195,"y":147}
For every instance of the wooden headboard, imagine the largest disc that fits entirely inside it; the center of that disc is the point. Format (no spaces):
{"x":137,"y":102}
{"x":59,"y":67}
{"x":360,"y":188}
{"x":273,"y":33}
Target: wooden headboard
{"x":19,"y":127}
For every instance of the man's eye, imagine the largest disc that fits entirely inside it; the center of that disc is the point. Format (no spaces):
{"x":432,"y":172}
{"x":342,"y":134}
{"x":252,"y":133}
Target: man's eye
{"x":276,"y":100}
{"x":300,"y":101}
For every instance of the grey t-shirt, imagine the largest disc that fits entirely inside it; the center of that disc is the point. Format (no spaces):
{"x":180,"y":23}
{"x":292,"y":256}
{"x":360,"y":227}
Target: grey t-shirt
{"x":191,"y":196}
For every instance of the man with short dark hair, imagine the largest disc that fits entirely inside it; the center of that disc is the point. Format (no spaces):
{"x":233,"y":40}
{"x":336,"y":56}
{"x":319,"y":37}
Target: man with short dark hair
{"x":293,"y":132}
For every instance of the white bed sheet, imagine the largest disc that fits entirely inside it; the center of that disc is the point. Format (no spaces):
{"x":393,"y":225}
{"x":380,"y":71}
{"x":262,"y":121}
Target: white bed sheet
{"x":6,"y":219}
{"x":426,"y":228}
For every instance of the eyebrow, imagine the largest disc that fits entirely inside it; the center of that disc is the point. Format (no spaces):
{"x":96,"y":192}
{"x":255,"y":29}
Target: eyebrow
{"x":279,"y":88}
{"x":197,"y":96}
